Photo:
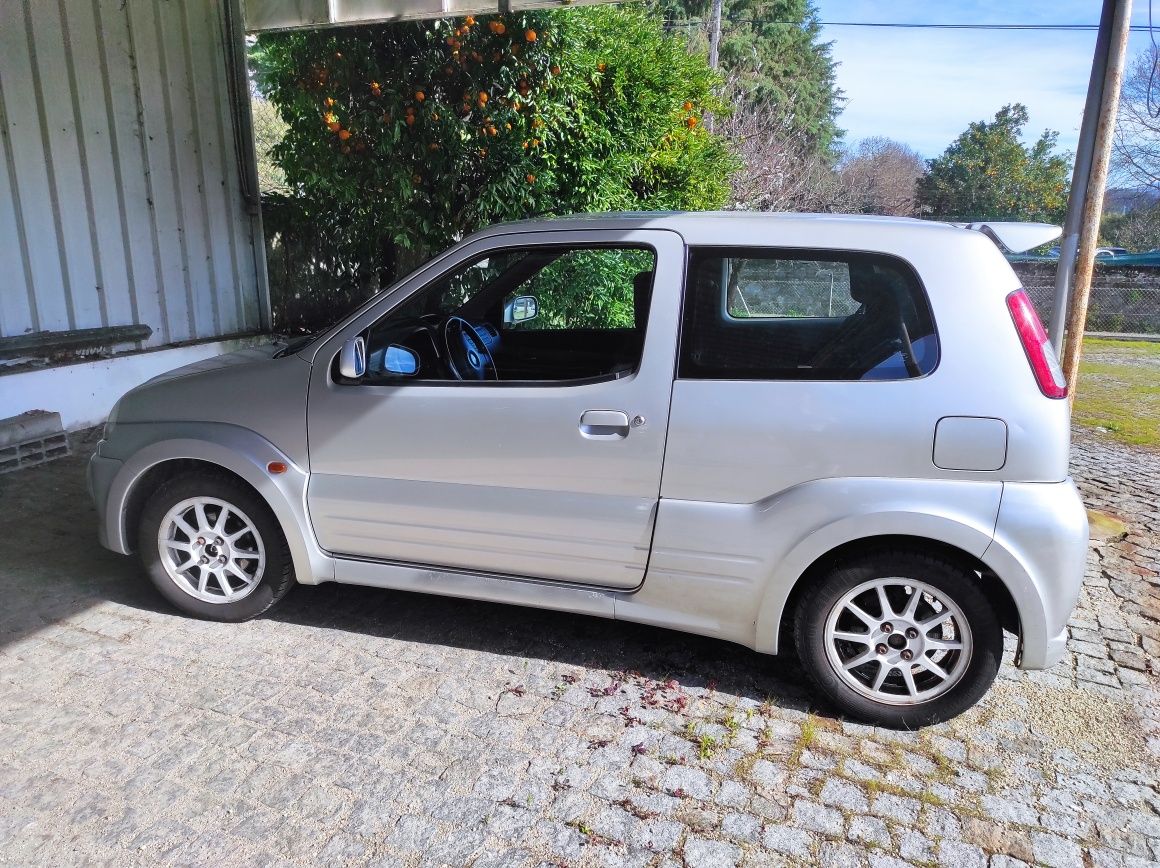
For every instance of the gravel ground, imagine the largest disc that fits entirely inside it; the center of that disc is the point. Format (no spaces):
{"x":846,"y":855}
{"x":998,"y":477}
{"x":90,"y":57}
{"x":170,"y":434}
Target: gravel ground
{"x":359,"y":726}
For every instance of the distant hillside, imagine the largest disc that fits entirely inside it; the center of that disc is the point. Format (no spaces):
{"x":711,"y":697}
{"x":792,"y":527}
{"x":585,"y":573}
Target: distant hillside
{"x":1121,"y":200}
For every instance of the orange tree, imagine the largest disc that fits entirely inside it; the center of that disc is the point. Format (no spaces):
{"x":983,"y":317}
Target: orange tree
{"x":402,"y":138}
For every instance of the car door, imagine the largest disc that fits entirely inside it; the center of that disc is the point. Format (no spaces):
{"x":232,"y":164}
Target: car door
{"x":553,"y":480}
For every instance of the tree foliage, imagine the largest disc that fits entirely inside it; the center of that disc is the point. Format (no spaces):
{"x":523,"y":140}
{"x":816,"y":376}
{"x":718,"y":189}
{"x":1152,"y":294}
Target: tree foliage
{"x":1137,"y":136}
{"x":879,"y":176}
{"x":782,"y":168}
{"x":988,"y":174}
{"x":405,"y":137}
{"x":1138,"y":230}
{"x":771,"y":52}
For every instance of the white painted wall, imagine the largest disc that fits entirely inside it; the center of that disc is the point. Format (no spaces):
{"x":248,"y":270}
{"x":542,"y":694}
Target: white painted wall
{"x":84,"y":393}
{"x":120,"y":195}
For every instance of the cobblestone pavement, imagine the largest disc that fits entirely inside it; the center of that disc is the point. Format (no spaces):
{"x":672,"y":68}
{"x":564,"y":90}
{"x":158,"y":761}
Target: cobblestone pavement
{"x":360,"y":726}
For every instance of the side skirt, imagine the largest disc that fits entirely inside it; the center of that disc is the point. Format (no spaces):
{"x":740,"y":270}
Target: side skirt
{"x":445,"y":582}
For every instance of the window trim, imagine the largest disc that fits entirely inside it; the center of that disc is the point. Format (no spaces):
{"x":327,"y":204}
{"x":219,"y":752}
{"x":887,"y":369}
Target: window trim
{"x":810,"y":253}
{"x":466,"y":262}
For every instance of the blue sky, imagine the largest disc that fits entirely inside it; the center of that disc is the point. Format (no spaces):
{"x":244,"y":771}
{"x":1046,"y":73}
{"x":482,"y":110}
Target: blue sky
{"x":923,"y":87}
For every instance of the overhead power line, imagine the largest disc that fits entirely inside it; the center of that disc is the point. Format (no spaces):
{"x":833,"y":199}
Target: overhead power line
{"x":901,"y":25}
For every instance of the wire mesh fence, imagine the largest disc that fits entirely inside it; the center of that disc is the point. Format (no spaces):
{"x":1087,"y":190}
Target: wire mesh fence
{"x":1124,"y":299}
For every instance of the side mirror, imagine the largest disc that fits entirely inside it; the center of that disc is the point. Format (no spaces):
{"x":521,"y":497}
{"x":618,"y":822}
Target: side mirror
{"x":401,"y":361}
{"x":352,"y":358}
{"x":521,"y":309}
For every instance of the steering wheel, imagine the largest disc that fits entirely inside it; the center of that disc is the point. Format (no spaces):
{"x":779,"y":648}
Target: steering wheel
{"x":468,"y":357}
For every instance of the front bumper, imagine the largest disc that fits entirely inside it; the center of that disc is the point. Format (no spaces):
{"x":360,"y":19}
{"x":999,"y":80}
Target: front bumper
{"x":102,"y":471}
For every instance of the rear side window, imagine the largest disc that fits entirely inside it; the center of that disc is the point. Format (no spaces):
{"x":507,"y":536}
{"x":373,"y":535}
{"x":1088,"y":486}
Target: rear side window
{"x":773,"y":314}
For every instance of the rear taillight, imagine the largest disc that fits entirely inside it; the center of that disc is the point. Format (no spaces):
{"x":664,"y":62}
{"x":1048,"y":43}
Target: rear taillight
{"x":1041,"y":355}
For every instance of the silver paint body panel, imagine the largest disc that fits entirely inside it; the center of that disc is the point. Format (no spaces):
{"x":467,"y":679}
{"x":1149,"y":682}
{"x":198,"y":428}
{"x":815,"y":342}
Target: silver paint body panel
{"x":702,"y":519}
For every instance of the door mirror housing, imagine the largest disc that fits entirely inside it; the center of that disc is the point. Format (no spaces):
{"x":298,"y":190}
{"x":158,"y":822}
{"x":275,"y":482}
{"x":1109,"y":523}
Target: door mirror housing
{"x":522,"y":308}
{"x":352,"y":358}
{"x":401,"y":361}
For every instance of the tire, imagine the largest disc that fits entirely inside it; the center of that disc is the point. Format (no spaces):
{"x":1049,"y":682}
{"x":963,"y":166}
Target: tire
{"x":254,"y":584}
{"x":828,"y":634}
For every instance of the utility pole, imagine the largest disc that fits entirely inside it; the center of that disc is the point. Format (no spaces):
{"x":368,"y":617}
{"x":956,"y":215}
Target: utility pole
{"x":1069,"y":243}
{"x":715,"y":33}
{"x":1093,"y":197}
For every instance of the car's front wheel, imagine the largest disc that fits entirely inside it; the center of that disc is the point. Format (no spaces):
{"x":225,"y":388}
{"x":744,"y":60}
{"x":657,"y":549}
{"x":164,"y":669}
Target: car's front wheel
{"x":213,"y":548}
{"x":899,"y":638}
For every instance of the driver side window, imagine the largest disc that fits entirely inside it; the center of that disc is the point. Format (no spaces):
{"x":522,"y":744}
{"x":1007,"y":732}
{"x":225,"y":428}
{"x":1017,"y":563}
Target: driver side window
{"x":555,"y":314}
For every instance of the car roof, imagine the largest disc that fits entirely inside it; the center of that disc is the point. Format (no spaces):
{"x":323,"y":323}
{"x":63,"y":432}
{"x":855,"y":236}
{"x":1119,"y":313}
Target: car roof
{"x":745,"y":226}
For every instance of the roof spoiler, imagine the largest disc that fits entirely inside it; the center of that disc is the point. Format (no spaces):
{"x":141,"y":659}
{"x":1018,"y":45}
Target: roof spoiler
{"x":1016,"y":237}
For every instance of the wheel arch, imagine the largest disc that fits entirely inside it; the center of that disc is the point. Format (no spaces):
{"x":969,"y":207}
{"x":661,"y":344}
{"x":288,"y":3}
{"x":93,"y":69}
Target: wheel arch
{"x":961,"y":543}
{"x":237,"y":453}
{"x":993,"y":587}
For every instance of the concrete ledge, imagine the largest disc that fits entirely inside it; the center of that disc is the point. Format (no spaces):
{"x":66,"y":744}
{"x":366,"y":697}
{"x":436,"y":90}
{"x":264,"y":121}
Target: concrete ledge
{"x":82,"y":394}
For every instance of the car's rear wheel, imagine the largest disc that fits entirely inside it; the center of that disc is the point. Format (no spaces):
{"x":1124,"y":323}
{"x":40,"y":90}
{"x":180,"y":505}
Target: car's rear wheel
{"x":213,"y":548}
{"x":899,"y":638}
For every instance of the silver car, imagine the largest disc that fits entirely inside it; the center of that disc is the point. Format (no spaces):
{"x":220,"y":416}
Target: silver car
{"x":848,"y":435}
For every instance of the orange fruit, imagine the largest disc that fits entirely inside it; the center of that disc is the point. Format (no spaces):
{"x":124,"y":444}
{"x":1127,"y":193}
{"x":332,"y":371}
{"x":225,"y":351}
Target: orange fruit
{"x":688,"y":106}
{"x":469,"y":21}
{"x":434,"y":146}
{"x":691,"y":122}
{"x":416,"y":178}
{"x":500,"y":28}
{"x":334,"y":126}
{"x":531,"y":178}
{"x":555,"y":70}
{"x":530,"y":35}
{"x":409,"y":120}
{"x":344,"y":134}
{"x":420,"y":96}
{"x":600,"y":67}
{"x":328,"y":102}
{"x":483,"y":97}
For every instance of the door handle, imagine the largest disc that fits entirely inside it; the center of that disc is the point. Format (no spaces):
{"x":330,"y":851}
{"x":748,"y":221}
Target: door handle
{"x":604,"y":424}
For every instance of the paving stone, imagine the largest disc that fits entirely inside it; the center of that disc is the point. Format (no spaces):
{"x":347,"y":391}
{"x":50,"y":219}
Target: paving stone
{"x":1009,"y":811}
{"x":364,"y":727}
{"x":869,"y":830}
{"x":956,"y":854}
{"x":702,"y":853}
{"x":792,"y":842}
{"x":915,"y":847}
{"x":897,"y":808}
{"x":838,"y":793}
{"x":839,"y":855}
{"x":741,"y":827}
{"x":817,"y":818}
{"x":689,"y":781}
{"x":1054,"y":851}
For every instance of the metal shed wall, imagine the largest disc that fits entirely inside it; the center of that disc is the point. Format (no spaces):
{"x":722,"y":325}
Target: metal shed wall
{"x":120,"y":194}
